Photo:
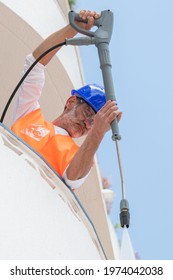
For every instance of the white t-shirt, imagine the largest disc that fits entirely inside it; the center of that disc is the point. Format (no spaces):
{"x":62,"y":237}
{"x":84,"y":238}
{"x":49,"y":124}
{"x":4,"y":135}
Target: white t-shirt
{"x":28,"y":100}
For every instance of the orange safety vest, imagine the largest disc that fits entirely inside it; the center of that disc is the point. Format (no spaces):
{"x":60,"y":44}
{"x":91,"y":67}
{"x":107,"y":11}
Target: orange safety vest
{"x":57,"y":149}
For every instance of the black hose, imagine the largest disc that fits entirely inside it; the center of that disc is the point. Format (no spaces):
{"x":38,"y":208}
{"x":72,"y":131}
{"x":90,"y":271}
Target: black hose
{"x":25,"y":75}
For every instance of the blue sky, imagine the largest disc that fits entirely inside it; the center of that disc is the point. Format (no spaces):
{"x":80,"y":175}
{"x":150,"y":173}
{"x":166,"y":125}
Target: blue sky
{"x":142,"y":66}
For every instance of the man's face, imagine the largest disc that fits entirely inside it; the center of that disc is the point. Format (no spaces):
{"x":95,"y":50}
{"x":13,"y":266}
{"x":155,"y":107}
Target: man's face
{"x":81,"y":118}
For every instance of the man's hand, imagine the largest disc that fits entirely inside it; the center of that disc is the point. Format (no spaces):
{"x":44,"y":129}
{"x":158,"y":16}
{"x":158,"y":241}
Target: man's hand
{"x":105,"y":116}
{"x":90,"y":16}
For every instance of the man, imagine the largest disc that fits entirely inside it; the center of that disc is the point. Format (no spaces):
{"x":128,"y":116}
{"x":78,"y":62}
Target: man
{"x":86,"y":113}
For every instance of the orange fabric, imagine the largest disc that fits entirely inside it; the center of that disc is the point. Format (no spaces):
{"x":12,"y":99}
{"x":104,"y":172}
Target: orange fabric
{"x":57,"y":149}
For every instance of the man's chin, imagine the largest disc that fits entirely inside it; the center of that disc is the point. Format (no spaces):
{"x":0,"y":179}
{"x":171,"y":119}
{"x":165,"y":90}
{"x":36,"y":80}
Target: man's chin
{"x":75,"y":134}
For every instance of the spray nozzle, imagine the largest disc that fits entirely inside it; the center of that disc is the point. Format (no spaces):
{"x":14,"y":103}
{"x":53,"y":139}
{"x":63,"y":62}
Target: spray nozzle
{"x":124,"y":214}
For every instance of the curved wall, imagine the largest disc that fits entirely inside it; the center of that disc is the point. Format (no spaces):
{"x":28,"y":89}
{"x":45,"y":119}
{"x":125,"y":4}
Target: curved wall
{"x":40,"y":216}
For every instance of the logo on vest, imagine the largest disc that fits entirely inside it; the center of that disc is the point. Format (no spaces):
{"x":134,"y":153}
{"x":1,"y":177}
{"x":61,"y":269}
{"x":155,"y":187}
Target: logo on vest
{"x":35,"y":131}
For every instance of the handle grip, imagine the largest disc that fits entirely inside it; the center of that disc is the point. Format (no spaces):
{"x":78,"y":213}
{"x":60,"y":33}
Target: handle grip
{"x":73,"y":17}
{"x":104,"y":23}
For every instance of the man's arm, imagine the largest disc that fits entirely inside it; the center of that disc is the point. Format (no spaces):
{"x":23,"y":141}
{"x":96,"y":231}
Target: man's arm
{"x":52,"y":40}
{"x":30,"y":91}
{"x":61,"y":35}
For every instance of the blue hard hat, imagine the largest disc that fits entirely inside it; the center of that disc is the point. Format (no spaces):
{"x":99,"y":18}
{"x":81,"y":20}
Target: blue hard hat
{"x":92,"y":94}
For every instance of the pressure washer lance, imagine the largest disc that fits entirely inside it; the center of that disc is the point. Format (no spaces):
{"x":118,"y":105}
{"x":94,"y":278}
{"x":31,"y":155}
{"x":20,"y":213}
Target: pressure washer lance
{"x":124,"y":205}
{"x":101,"y":38}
